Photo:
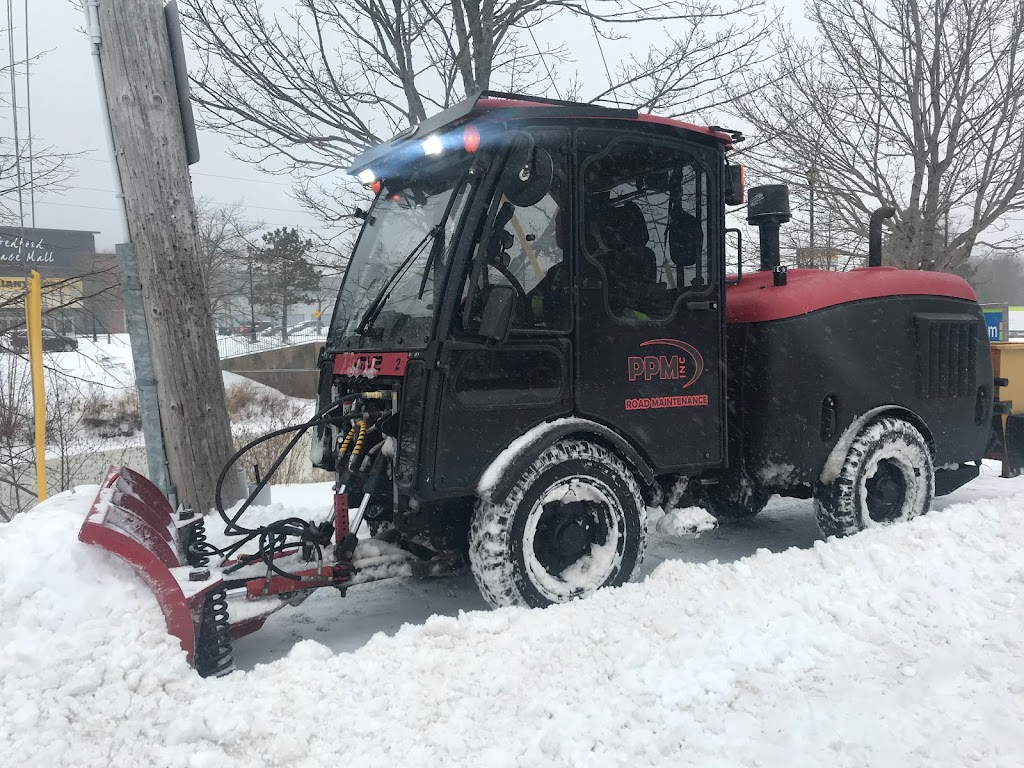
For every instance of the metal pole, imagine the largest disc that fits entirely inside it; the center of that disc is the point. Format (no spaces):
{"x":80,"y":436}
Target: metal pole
{"x":145,"y":378}
{"x":319,"y":304}
{"x":131,"y":290}
{"x":34,"y":338}
{"x":28,"y":112}
{"x":252,"y":310}
{"x":812,"y":218}
{"x":92,"y":25}
{"x":812,"y":180}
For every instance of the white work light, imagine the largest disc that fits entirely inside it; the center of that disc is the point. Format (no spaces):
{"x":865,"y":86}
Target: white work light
{"x":432,"y":145}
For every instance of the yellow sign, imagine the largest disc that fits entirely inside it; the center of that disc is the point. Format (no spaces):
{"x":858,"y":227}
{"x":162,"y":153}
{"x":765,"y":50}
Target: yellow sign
{"x":57,"y":292}
{"x":316,"y":314}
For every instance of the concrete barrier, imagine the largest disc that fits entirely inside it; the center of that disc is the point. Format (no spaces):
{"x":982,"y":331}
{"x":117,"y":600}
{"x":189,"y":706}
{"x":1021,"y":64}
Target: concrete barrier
{"x":291,"y":370}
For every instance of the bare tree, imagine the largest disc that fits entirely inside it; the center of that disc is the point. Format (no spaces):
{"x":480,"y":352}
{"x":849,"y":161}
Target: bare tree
{"x":305,"y":90}
{"x":913,"y":103}
{"x":225,"y":237}
{"x":999,"y":278}
{"x":50,"y":169}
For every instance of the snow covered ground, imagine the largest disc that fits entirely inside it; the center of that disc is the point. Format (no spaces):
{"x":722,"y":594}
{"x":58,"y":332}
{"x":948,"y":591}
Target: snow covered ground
{"x":755,"y":644}
{"x":99,"y":363}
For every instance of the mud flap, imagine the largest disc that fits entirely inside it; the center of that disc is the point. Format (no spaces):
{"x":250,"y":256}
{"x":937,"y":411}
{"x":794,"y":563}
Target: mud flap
{"x":130,"y":518}
{"x":1006,"y":443}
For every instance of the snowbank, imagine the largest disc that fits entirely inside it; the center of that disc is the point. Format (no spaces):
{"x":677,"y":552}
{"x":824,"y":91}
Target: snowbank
{"x":899,"y":646}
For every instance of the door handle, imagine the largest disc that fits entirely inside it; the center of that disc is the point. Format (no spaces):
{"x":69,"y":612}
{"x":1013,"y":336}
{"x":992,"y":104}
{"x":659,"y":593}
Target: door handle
{"x":701,"y":305}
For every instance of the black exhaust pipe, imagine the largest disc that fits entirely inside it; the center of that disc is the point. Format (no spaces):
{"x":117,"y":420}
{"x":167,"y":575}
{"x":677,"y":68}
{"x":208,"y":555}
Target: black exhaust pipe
{"x":875,"y":234}
{"x":767,"y":209}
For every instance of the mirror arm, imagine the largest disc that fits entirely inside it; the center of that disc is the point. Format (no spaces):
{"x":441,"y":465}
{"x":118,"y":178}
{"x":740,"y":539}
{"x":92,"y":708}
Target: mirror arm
{"x":739,"y":255}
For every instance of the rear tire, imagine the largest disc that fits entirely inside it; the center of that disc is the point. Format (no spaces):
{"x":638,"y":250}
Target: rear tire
{"x":574,"y":523}
{"x":886,"y":477}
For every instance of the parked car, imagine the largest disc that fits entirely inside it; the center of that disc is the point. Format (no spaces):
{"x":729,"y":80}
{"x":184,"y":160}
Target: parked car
{"x":52,"y":341}
{"x":248,"y":328}
{"x":304,"y":329}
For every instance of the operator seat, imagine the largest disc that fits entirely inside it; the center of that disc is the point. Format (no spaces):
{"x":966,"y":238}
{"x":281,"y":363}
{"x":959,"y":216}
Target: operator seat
{"x":631,"y":266}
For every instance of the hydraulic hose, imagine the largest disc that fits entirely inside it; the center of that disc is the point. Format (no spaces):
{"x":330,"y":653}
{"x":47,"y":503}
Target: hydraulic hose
{"x":274,"y":537}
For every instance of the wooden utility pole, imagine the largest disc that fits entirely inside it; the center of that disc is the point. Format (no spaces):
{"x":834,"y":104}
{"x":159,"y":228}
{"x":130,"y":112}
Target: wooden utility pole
{"x":146,"y":128}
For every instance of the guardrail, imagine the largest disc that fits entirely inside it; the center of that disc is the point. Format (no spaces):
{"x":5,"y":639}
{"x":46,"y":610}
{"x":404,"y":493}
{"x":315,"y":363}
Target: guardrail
{"x":242,"y":344}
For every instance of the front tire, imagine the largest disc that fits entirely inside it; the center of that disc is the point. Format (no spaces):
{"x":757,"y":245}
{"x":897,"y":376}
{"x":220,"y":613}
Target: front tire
{"x":574,"y":523}
{"x":886,"y":477}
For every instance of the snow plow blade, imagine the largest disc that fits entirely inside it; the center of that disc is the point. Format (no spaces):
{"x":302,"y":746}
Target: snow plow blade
{"x":132,"y":519}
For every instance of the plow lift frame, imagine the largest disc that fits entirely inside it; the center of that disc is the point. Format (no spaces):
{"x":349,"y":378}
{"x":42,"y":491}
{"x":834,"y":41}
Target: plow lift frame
{"x":131,"y":519}
{"x":207,"y":607}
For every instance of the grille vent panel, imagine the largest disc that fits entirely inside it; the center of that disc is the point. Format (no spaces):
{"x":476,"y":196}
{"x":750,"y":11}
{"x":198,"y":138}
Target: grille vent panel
{"x":947,"y":355}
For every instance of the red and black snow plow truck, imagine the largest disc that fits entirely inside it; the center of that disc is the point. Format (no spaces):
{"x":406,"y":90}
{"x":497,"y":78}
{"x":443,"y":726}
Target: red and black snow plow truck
{"x":538,"y":335}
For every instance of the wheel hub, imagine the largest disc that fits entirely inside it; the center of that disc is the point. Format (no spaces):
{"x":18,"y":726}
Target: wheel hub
{"x":566,"y":532}
{"x":886,"y":492}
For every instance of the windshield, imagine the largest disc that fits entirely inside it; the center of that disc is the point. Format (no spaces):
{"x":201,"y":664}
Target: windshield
{"x":396,"y":270}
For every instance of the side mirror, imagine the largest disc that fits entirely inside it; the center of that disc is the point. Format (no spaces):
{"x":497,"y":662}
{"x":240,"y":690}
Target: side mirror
{"x":496,"y":321}
{"x":734,"y":184}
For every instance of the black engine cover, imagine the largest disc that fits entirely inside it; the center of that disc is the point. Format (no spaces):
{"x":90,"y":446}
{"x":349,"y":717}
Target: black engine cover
{"x":796,"y":384}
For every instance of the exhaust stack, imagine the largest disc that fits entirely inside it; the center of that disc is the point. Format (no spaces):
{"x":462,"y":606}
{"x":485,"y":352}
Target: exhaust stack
{"x":767,"y":210}
{"x":875,"y":234}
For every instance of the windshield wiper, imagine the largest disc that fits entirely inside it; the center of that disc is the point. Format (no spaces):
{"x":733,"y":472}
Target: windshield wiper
{"x":438,"y":244}
{"x":372,"y":311}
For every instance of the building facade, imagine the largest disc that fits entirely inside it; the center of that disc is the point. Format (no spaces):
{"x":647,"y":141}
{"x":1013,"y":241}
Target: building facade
{"x":81,"y":289}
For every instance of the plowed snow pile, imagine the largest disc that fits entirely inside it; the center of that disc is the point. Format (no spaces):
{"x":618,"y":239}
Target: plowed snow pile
{"x":897,"y":647}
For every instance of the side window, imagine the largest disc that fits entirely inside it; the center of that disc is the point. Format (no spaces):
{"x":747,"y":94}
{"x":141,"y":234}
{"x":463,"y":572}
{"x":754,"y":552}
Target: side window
{"x":527,"y":242}
{"x":646,"y":226}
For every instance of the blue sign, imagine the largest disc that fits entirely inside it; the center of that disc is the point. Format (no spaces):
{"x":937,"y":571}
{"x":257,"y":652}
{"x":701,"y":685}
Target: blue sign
{"x":996,"y":320}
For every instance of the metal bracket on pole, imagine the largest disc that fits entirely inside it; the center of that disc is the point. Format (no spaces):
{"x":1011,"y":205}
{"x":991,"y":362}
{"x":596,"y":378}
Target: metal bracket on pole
{"x":145,"y":377}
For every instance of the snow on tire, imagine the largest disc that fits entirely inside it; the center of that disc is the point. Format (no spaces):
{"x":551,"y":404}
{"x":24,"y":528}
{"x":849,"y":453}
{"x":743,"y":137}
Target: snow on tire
{"x":573,"y":523}
{"x":886,"y":477}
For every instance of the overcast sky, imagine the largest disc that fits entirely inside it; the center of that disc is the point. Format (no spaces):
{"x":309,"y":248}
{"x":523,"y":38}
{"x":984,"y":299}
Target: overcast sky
{"x":66,"y":117}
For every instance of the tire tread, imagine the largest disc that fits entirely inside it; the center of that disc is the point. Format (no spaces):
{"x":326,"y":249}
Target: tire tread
{"x":491,"y":526}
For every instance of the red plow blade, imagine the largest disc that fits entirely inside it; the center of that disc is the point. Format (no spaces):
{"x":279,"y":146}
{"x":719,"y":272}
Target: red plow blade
{"x":132,"y":519}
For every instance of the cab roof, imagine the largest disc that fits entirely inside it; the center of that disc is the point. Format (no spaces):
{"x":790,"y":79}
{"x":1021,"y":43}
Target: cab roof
{"x":494,"y":103}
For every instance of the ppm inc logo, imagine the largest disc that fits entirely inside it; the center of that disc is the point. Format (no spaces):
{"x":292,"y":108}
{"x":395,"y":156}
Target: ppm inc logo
{"x":674,"y":361}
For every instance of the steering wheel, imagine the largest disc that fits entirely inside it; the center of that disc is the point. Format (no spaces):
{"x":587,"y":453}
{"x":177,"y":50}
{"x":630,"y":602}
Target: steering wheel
{"x":514,"y":282}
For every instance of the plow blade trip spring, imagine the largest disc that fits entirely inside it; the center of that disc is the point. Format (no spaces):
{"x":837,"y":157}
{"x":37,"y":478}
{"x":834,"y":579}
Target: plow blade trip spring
{"x":132,"y":519}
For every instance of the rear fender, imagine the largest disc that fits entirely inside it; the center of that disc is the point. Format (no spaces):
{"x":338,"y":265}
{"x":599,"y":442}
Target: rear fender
{"x":834,"y":463}
{"x":504,"y":471}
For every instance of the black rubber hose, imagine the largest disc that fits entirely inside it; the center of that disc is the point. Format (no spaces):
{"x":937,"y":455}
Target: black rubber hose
{"x":273,"y":538}
{"x":231,"y":523}
{"x":317,"y":420}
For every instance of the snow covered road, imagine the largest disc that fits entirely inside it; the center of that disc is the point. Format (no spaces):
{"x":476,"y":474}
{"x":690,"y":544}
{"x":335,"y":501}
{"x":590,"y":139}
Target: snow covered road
{"x":897,"y":647}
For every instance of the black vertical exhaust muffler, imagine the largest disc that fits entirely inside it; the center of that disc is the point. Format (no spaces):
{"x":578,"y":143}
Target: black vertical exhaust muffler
{"x":875,"y":234}
{"x":768,"y":209}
